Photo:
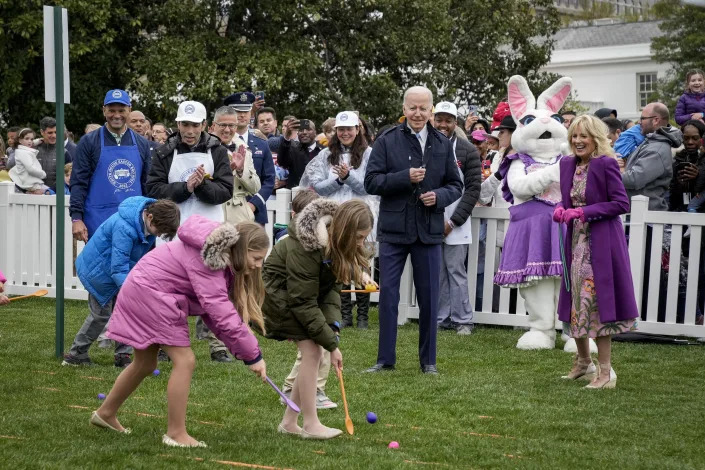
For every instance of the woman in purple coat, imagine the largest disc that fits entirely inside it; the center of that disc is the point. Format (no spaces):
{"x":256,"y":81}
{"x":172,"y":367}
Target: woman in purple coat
{"x":600,"y":299}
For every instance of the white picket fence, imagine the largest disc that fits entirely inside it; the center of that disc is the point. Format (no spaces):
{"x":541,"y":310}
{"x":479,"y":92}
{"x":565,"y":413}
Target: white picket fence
{"x":27,"y":248}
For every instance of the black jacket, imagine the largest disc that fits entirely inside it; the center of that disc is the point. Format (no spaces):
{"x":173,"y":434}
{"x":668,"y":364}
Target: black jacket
{"x":293,"y":156}
{"x":215,"y":191}
{"x":692,"y":187}
{"x":470,"y":164}
{"x":402,"y":216}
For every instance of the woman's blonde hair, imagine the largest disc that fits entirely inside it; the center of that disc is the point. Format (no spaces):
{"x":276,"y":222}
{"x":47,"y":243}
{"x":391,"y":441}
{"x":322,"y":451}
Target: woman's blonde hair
{"x":248,"y":288}
{"x":347,"y":258}
{"x":595,"y":128}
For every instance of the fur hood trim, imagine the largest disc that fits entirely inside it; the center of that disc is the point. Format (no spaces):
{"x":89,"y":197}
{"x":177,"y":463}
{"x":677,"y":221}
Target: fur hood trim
{"x":312,"y":224}
{"x":216,"y":250}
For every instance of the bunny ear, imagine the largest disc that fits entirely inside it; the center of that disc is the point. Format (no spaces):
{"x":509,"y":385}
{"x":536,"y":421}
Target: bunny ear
{"x":519,"y":96}
{"x":553,"y":98}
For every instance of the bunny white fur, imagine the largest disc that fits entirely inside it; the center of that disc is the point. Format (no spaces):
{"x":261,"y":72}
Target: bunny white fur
{"x":541,"y":136}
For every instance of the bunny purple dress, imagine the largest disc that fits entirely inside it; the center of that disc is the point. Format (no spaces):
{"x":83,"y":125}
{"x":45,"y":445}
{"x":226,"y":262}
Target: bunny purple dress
{"x":531,"y":246}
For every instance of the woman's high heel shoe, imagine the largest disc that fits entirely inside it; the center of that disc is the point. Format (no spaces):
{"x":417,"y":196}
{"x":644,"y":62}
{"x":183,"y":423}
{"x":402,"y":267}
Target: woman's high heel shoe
{"x":582,"y":369}
{"x":611,"y":383}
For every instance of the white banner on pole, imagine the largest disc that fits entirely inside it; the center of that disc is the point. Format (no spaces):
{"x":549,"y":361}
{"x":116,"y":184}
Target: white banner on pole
{"x":49,"y":72}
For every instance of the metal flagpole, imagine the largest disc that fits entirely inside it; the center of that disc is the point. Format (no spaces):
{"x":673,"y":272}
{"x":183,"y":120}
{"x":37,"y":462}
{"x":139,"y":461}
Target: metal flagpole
{"x":59,"y":229}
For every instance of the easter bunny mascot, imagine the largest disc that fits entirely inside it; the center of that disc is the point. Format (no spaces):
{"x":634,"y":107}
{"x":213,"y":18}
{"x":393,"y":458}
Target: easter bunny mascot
{"x":531,"y":257}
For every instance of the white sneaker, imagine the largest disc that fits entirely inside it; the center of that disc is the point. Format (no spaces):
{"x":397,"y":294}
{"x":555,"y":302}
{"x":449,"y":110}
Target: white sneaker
{"x":323,"y":402}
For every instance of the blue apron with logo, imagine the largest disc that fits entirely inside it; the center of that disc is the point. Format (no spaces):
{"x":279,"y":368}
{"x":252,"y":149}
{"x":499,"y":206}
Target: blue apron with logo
{"x":116,"y":177}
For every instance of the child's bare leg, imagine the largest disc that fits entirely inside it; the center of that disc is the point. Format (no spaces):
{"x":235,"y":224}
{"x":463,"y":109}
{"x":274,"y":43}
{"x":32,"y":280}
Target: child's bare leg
{"x":177,"y":392}
{"x":144,"y":363}
{"x":290,"y":421}
{"x":306,"y":384}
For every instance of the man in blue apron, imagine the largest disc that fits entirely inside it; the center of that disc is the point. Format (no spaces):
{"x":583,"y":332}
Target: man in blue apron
{"x":261,"y":155}
{"x":110,"y":165}
{"x":192,"y":168}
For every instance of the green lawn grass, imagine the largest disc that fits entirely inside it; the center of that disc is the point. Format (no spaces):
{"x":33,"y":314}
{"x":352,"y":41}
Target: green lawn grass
{"x":493,"y":406}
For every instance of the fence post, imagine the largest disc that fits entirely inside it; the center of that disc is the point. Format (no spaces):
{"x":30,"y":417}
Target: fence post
{"x":637,"y":244}
{"x":6,"y":188}
{"x":283,"y":204}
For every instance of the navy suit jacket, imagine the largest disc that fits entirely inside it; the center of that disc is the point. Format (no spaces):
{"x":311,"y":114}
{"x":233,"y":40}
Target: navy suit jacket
{"x":264,"y":166}
{"x":402,"y":216}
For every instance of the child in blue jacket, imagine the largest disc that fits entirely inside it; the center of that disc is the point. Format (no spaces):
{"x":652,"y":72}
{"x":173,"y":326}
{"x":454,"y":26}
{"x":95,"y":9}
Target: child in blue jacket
{"x":108,"y":256}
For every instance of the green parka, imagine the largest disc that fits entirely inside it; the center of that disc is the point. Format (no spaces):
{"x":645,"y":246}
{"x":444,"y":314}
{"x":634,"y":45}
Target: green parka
{"x":302,"y":299}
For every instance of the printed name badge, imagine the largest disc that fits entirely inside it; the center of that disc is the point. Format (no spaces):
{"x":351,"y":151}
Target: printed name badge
{"x":185,"y":175}
{"x":122,"y":174}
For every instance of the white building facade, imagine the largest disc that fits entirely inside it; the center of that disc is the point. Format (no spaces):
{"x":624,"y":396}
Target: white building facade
{"x":611,"y":65}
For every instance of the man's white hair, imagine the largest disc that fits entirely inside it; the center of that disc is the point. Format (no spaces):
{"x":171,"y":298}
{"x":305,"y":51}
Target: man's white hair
{"x":419,"y":89}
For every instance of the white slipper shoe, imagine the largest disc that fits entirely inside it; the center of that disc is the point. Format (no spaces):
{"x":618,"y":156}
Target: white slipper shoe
{"x":98,"y":421}
{"x":172,"y":443}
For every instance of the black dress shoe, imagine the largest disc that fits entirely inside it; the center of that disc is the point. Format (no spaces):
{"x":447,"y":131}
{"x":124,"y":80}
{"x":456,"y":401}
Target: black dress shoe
{"x":221,"y":356}
{"x":429,"y":369}
{"x":380,"y":368}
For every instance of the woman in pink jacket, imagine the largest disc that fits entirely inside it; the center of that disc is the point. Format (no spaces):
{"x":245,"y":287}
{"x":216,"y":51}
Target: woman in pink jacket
{"x":213,"y":270}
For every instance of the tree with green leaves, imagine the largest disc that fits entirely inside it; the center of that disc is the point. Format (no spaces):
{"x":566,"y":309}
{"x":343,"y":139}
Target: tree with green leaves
{"x":311,"y":58}
{"x":102,"y":42}
{"x":682,"y":45}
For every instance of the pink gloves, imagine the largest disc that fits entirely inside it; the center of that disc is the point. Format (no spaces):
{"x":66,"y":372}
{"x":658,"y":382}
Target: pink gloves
{"x":558,"y":214}
{"x":571,"y":214}
{"x":565,"y":216}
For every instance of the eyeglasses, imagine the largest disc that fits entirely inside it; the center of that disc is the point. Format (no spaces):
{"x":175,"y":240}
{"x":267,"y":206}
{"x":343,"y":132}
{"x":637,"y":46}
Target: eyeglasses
{"x":644,"y":118}
{"x":223,"y":125}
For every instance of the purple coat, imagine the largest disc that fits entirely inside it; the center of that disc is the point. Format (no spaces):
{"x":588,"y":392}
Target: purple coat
{"x":606,"y":201}
{"x":173,"y":282}
{"x":688,"y":104}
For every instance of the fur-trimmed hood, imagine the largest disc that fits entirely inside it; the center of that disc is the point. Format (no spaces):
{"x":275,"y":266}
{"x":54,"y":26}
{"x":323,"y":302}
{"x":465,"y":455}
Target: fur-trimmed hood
{"x":214,"y":239}
{"x":311,"y":225}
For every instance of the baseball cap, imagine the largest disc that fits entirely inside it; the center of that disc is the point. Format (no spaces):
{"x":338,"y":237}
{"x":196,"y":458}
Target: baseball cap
{"x":507,"y":123}
{"x":117,"y":96}
{"x":346,"y":119}
{"x":240,"y":101}
{"x":191,"y":111}
{"x":478,"y":135}
{"x":447,"y":107}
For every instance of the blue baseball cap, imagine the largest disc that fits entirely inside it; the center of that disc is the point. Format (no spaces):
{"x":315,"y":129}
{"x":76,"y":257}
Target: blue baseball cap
{"x":117,"y":96}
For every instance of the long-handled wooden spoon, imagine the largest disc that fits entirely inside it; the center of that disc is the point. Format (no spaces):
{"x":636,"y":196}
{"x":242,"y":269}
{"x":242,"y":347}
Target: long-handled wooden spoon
{"x":348,"y":421}
{"x":39,"y":293}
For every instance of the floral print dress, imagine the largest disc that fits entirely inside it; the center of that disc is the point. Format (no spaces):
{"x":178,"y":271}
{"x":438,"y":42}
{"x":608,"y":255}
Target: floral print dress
{"x":584,"y":314}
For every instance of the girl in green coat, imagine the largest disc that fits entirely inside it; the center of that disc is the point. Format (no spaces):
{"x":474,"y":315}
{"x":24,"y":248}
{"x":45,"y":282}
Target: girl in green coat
{"x":302,"y":278}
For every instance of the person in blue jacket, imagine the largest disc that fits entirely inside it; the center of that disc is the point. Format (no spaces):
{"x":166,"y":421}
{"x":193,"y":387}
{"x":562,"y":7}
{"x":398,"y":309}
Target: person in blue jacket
{"x":110,"y":165}
{"x":108,"y":257}
{"x":413,"y":168}
{"x":628,"y":141}
{"x":261,"y":155}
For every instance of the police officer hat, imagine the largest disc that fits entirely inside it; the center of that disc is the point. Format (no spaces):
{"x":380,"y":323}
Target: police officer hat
{"x":240,"y":101}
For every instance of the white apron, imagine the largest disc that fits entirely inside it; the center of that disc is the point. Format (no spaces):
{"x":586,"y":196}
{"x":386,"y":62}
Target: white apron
{"x":459,"y":235}
{"x":183,"y":165}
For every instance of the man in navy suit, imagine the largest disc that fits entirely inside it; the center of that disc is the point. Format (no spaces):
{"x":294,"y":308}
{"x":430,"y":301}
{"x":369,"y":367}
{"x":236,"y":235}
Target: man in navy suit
{"x":413,"y":168}
{"x":261,"y":155}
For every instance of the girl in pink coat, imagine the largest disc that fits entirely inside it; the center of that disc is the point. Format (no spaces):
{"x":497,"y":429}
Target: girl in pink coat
{"x":214,"y":271}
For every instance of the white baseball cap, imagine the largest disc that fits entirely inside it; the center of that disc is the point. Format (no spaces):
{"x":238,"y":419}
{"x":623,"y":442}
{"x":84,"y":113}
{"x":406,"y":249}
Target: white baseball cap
{"x":346,"y":119}
{"x":447,"y":107}
{"x":191,"y":111}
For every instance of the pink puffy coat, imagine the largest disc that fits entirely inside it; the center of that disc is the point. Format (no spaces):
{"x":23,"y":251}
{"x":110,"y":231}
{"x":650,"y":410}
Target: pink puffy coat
{"x":189,"y":276}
